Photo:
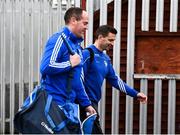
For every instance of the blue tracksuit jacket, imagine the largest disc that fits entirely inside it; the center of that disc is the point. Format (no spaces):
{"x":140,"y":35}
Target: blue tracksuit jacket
{"x":97,"y":71}
{"x":55,"y":68}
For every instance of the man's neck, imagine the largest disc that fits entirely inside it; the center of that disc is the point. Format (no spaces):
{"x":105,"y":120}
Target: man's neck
{"x":97,"y":46}
{"x":69,"y":27}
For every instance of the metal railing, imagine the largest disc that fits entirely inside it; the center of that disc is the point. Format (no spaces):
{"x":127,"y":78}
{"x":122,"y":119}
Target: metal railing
{"x":25,"y":26}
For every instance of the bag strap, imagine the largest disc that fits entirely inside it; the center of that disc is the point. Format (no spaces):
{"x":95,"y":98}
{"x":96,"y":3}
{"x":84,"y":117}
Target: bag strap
{"x":47,"y":107}
{"x":91,"y":54}
{"x":49,"y":119}
{"x":71,"y":74}
{"x":68,"y":45}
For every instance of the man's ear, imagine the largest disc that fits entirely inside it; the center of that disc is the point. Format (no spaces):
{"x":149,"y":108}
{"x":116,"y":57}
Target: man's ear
{"x":100,"y":37}
{"x":73,"y":20}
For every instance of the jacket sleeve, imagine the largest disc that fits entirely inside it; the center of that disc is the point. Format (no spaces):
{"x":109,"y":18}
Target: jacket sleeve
{"x":52,"y":62}
{"x":82,"y":96}
{"x":117,"y":82}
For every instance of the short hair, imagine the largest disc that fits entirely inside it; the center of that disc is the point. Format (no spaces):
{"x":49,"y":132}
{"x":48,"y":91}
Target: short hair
{"x":104,"y":30}
{"x":73,"y":12}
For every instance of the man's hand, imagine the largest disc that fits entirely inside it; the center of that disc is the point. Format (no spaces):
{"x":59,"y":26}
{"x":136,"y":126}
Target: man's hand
{"x":142,"y":97}
{"x":75,"y":60}
{"x":90,"y":110}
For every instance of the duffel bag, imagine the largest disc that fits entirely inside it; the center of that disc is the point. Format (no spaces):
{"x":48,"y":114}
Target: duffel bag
{"x":41,"y":115}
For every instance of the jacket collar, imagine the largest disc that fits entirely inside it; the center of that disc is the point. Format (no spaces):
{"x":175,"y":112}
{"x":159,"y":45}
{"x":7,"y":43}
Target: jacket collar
{"x":71,"y":36}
